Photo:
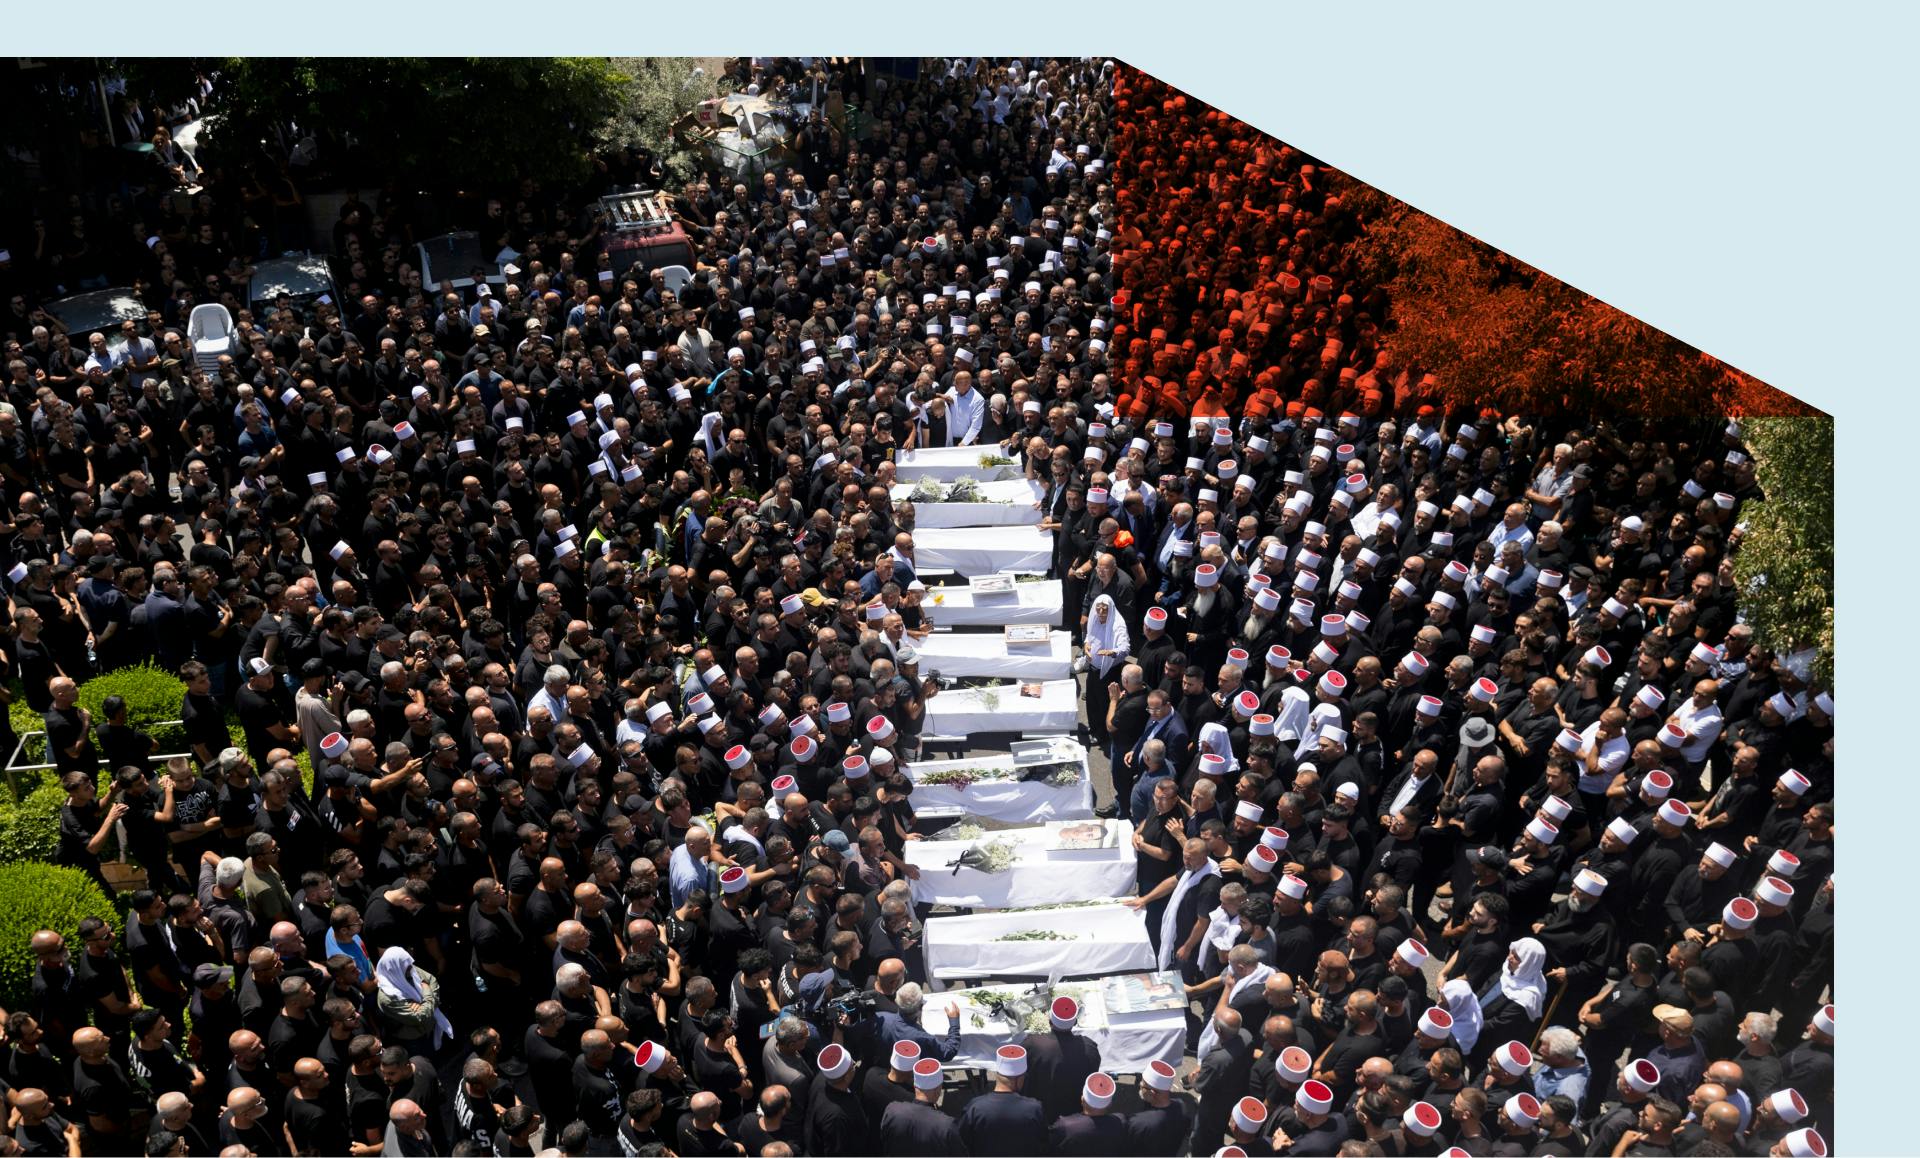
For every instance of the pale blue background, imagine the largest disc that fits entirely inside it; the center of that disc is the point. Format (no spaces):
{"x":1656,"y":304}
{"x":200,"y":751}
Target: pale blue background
{"x":1740,"y":175}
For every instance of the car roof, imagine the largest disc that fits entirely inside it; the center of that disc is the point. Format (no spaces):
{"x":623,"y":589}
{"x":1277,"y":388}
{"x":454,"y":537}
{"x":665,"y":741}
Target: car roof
{"x":298,"y":275}
{"x":99,"y":310}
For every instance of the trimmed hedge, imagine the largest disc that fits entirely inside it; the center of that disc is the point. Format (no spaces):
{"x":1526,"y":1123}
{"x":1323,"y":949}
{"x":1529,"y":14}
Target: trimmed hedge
{"x":35,"y":897}
{"x":30,"y":830}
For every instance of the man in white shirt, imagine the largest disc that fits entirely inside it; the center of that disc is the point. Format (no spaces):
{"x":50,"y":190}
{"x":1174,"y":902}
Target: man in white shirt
{"x":965,"y":410}
{"x":1700,"y":718}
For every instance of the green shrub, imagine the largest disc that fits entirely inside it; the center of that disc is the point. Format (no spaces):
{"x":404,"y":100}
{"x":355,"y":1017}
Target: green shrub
{"x":30,"y":830}
{"x":153,"y":696}
{"x":35,"y":897}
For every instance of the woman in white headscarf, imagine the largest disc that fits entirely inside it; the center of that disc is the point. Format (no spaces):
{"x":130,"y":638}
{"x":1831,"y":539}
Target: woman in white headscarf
{"x":1107,"y":647}
{"x":1465,"y":1008}
{"x":1215,"y":738}
{"x":1511,"y":1009}
{"x":408,"y":1000}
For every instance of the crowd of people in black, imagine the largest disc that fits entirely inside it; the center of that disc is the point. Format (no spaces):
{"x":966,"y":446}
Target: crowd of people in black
{"x":1473,"y":817}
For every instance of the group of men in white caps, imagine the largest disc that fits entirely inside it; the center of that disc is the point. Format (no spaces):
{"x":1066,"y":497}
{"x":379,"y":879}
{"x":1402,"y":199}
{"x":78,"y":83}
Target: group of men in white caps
{"x":1467,"y":809}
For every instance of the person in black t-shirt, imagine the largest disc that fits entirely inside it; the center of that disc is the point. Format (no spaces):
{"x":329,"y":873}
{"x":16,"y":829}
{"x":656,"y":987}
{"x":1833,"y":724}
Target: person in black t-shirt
{"x":105,"y":1101}
{"x":70,"y":729}
{"x":310,"y":1115}
{"x":85,"y":825}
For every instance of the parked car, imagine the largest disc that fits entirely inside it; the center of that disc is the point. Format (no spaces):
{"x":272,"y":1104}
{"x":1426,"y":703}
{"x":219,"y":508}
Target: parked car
{"x":303,"y":277}
{"x":459,"y":260}
{"x":99,"y":311}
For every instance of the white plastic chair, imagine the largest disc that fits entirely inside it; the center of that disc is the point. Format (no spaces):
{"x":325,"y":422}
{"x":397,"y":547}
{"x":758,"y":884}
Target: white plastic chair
{"x":210,"y":330}
{"x":675,"y":276}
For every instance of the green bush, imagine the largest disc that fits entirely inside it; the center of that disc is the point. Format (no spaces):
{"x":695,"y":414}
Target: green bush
{"x":35,"y":897}
{"x":153,"y":696}
{"x":30,"y":830}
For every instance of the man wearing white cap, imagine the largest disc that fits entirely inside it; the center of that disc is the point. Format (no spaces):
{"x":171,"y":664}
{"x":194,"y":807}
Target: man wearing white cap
{"x":1165,"y":1123}
{"x":1096,"y":1131}
{"x":1005,"y":1121}
{"x":1059,"y":1060}
{"x":919,"y":1126}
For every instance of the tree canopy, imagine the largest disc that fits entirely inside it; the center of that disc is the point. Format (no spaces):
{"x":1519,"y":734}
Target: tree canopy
{"x":436,"y":123}
{"x":1498,"y":332}
{"x":1785,"y":564}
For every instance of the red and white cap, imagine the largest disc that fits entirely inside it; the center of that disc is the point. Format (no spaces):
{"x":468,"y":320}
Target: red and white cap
{"x":1456,"y":571}
{"x":803,"y":748}
{"x":1657,"y":784}
{"x":802,"y":725}
{"x":1705,"y":653}
{"x":1206,"y":575}
{"x":1325,"y":653}
{"x":1064,"y":1012}
{"x":1455,"y":1151}
{"x":1429,"y":706}
{"x":1795,"y":783}
{"x":1485,"y":634}
{"x":1262,"y":724}
{"x":926,"y":1074}
{"x":1278,"y":656}
{"x":1805,"y":1142}
{"x":1293,"y":887}
{"x":838,"y":712}
{"x":1523,"y":1108}
{"x":651,"y":1055}
{"x":881,"y":758}
{"x":1313,"y":1097}
{"x":1740,"y":913}
{"x":1641,"y":1075}
{"x":1229,"y":1152}
{"x":1615,"y":608}
{"x":1484,"y":690}
{"x":699,"y":703}
{"x":1262,"y":859}
{"x":1266,"y":599}
{"x":1010,"y":1061}
{"x":1414,"y":662}
{"x":1623,"y":830}
{"x":784,"y":784}
{"x":658,"y":710}
{"x":834,"y":1061}
{"x":734,"y":880}
{"x":1213,"y":764}
{"x":1436,"y":1023}
{"x":738,"y":757}
{"x":1673,"y":735}
{"x":854,"y":767}
{"x":1237,"y":656}
{"x":1294,"y":1064}
{"x":1097,"y":1091}
{"x":333,"y":744}
{"x":1414,"y":954}
{"x":1333,"y":626}
{"x":1556,"y":809}
{"x":905,"y":1053}
{"x":1274,"y":838}
{"x":1823,"y":1019}
{"x":1590,"y":882}
{"x":1249,"y":810}
{"x":1514,"y":1057}
{"x":1651,"y":697}
{"x":1422,"y":1119}
{"x":1406,"y":587}
{"x":791,"y":604}
{"x":1568,"y":741}
{"x":1246,"y":704}
{"x":1157,"y":1076}
{"x":1788,"y":1105}
{"x":1720,"y":854}
{"x":1598,"y":656}
{"x":1156,"y":617}
{"x":771,"y":715}
{"x":1550,"y":580}
{"x":1543,"y":830}
{"x":1773,"y":891}
{"x":1249,"y":1115}
{"x":1783,"y":864}
{"x":1675,"y":812}
{"x":880,"y":728}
